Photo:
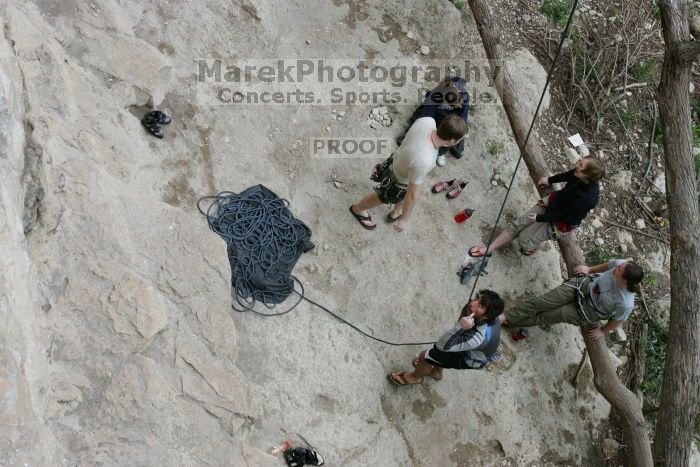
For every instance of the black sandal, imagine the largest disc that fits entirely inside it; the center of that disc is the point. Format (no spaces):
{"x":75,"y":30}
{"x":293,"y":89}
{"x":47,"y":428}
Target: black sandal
{"x":391,"y":220}
{"x":361,"y":218}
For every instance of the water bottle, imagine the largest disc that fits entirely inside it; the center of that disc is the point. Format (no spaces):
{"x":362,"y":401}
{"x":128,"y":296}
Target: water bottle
{"x":462,"y":216}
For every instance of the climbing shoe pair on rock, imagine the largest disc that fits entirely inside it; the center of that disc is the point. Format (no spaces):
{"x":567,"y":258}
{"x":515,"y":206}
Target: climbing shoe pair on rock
{"x":297,"y":457}
{"x":153,"y":121}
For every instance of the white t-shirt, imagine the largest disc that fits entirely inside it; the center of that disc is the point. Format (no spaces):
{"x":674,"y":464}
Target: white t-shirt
{"x":416,"y":156}
{"x":610,"y":298}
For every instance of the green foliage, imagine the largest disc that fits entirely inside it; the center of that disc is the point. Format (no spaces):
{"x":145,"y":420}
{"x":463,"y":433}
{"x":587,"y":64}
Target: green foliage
{"x":472,"y":109}
{"x":630,"y":117}
{"x":556,"y":10}
{"x":645,"y":71}
{"x":459,"y":4}
{"x":650,"y":280}
{"x":655,"y":353}
{"x":695,"y":107}
{"x":580,"y":70}
{"x":495,"y":148}
{"x":599,"y":255}
{"x":659,"y":134}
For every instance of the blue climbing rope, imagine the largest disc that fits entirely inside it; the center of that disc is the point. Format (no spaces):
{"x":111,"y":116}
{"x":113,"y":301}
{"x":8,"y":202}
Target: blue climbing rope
{"x":263,"y":241}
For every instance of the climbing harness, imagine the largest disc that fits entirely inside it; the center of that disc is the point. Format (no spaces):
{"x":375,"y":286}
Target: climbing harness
{"x":382,"y":170}
{"x":578,"y":284}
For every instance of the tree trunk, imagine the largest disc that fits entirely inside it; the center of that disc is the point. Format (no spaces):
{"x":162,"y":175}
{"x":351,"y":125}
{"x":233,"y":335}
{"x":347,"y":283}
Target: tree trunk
{"x":605,"y":377}
{"x":679,"y":392}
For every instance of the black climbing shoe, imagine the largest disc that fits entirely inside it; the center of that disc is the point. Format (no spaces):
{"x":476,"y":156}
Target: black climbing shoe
{"x":153,"y":129}
{"x":156,"y":117}
{"x":298,"y":457}
{"x":152,"y":121}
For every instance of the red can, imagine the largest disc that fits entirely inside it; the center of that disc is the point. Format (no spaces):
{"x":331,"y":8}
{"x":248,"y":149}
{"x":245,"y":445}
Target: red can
{"x":462,"y":216}
{"x":520,"y":334}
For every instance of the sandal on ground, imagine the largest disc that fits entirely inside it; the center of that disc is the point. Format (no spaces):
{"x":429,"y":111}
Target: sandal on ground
{"x":157,"y":117}
{"x":415,"y":363}
{"x":456,"y":191}
{"x":439,"y":187}
{"x":391,"y":220}
{"x":360,"y":218}
{"x":475,"y":252}
{"x":401,"y":380}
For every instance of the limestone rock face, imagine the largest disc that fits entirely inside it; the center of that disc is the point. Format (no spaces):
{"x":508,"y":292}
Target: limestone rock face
{"x":118,"y":344}
{"x":210,"y":380}
{"x":529,"y":74}
{"x":24,"y":374}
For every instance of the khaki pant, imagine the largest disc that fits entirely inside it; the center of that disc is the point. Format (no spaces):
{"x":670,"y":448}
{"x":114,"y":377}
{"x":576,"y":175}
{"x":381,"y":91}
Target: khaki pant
{"x":529,"y":233}
{"x":556,"y":306}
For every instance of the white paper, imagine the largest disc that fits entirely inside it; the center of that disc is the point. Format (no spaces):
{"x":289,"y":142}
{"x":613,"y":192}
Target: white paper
{"x":576,"y":140}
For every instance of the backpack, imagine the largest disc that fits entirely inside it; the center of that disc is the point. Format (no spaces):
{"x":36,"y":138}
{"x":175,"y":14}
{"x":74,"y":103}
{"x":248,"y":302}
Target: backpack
{"x":489,"y":347}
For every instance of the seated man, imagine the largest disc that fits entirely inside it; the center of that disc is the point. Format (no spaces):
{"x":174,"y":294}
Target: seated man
{"x":558,"y":213}
{"x":469,"y":344}
{"x":584,"y":300}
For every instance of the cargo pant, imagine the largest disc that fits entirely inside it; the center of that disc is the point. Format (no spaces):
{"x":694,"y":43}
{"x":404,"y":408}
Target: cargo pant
{"x":531,"y":234}
{"x":556,"y":306}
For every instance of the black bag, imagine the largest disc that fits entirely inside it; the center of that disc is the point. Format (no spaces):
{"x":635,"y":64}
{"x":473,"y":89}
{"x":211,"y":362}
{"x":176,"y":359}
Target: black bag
{"x":382,"y":170}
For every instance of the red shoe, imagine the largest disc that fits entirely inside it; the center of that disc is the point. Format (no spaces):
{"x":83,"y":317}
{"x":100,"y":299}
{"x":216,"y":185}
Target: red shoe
{"x":456,"y":191}
{"x":442,"y":186}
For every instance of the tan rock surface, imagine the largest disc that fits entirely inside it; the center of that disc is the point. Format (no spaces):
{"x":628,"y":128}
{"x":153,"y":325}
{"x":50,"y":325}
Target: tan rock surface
{"x":118,"y":344}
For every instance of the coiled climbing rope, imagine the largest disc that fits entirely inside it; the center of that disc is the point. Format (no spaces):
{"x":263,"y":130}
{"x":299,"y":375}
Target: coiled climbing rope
{"x":264,"y":241}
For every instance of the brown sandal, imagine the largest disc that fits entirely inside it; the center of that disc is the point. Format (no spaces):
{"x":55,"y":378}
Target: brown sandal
{"x":475,"y":252}
{"x":400,"y":379}
{"x":415,"y":362}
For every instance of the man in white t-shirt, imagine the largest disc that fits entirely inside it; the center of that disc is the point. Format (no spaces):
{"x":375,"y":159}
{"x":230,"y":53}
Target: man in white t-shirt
{"x":411,"y":163}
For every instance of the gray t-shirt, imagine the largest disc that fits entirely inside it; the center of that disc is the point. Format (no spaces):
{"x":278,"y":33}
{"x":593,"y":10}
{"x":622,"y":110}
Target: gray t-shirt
{"x":613,"y":301}
{"x":416,"y":156}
